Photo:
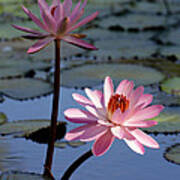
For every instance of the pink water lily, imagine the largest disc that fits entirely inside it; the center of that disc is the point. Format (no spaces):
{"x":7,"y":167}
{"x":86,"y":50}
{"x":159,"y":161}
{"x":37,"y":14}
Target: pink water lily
{"x":58,"y":21}
{"x":114,"y":114}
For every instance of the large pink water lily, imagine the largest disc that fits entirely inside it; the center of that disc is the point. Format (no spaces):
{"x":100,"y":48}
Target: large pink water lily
{"x":58,"y":20}
{"x":112,"y":115}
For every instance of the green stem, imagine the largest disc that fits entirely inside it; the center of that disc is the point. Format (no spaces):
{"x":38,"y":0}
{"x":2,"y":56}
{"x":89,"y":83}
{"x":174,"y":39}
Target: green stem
{"x":76,"y":164}
{"x":54,"y":115}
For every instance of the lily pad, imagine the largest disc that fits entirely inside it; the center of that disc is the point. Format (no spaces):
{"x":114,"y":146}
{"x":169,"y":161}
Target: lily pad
{"x":89,"y":75}
{"x":172,"y":86}
{"x":168,"y":122}
{"x":25,"y":88}
{"x":42,"y":135}
{"x":64,"y":144}
{"x":172,"y":154}
{"x":17,"y":175}
{"x":22,"y":127}
{"x":13,"y":68}
{"x":3,"y":118}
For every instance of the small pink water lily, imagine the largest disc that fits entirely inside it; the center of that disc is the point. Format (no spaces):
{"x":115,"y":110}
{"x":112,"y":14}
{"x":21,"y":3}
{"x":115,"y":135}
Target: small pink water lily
{"x":58,"y":22}
{"x":112,"y":115}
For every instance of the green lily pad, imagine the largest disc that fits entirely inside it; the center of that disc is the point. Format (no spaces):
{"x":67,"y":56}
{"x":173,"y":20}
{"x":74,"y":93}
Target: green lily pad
{"x":168,"y":122}
{"x":13,"y":68}
{"x":64,"y":144}
{"x":23,"y":127}
{"x":17,"y":175}
{"x":25,"y":88}
{"x":172,"y":154}
{"x":138,"y":21}
{"x":3,"y":118}
{"x":42,"y":135}
{"x":172,"y":86}
{"x":89,"y":75}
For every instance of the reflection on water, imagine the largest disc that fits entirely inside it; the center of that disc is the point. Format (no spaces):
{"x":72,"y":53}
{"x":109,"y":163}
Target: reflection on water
{"x":118,"y":163}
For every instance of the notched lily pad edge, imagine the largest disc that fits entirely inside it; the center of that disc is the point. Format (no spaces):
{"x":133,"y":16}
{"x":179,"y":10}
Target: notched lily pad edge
{"x":167,"y":151}
{"x":31,"y":98}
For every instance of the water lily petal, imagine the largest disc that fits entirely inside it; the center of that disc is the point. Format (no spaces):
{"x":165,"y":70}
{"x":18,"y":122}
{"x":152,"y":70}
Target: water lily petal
{"x":144,"y":139}
{"x":145,"y":100}
{"x":140,"y":124}
{"x":25,"y":29}
{"x":136,"y":95}
{"x":93,"y":133}
{"x":135,"y":146}
{"x":94,"y":98}
{"x":103,"y":143}
{"x":121,"y":86}
{"x":147,"y":113}
{"x":42,"y":43}
{"x":75,"y":13}
{"x":35,"y":19}
{"x":108,"y":90}
{"x":81,"y":99}
{"x":84,"y":21}
{"x":59,"y":14}
{"x":67,"y":4}
{"x":79,"y":116}
{"x":76,"y":133}
{"x":43,"y":5}
{"x":78,"y":42}
{"x":118,"y":132}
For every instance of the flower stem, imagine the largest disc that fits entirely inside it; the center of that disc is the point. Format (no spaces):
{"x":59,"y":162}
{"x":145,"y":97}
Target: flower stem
{"x":54,"y":115}
{"x":76,"y":164}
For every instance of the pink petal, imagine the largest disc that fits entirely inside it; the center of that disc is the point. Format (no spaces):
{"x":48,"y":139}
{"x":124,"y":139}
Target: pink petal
{"x":67,"y":7}
{"x":59,"y":14}
{"x":108,"y":90}
{"x":103,"y":143}
{"x":78,"y":42}
{"x":118,"y":117}
{"x":122,"y":85}
{"x":81,"y":99}
{"x":135,"y":96}
{"x":140,"y":124}
{"x":43,"y":5}
{"x":28,"y":30}
{"x":93,"y":133}
{"x":39,"y":45}
{"x":147,"y":113}
{"x":94,"y":98}
{"x":75,"y":13}
{"x":84,"y":21}
{"x":35,"y":19}
{"x":92,"y":110}
{"x":79,"y":116}
{"x":135,"y":146}
{"x":128,"y":89}
{"x":49,"y":21}
{"x":144,"y":138}
{"x":145,"y":100}
{"x":118,"y":132}
{"x":76,"y":133}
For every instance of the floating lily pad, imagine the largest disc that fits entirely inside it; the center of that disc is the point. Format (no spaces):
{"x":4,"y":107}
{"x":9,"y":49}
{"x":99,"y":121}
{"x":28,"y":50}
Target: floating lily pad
{"x":172,"y":154}
{"x":94,"y":74}
{"x":17,"y":175}
{"x":172,"y":86}
{"x":14,"y":68}
{"x":3,"y":118}
{"x":168,"y":122}
{"x":64,"y":144}
{"x":138,"y":21}
{"x":22,"y":127}
{"x":42,"y":135}
{"x":126,"y":46}
{"x":25,"y":88}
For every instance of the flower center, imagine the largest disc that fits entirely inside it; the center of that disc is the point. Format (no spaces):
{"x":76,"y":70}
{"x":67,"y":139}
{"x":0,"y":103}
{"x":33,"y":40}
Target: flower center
{"x":117,"y":101}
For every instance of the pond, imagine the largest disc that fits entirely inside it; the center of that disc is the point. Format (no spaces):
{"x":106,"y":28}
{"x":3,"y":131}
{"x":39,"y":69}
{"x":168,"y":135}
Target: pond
{"x":137,"y":40}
